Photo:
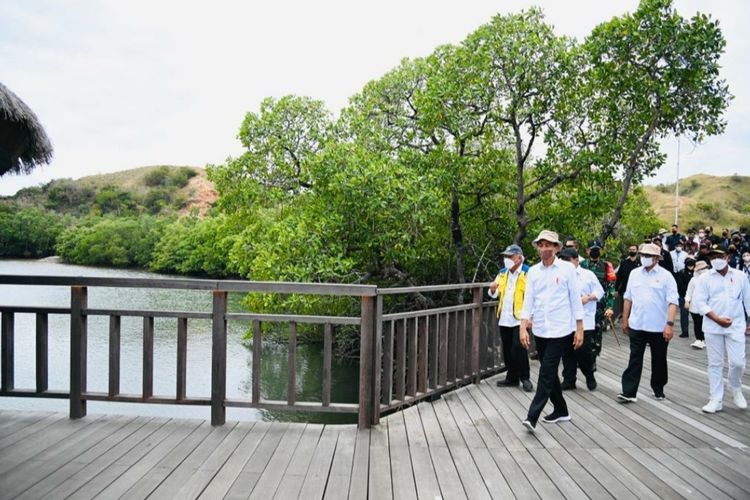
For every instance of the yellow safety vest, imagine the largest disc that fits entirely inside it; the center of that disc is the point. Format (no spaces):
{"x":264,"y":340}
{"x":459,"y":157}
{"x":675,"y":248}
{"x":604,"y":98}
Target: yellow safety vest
{"x":502,"y":284}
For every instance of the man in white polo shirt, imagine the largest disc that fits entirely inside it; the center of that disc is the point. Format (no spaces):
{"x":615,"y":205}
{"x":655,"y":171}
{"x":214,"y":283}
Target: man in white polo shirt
{"x":591,"y":293}
{"x":722,"y":296}
{"x":649,"y":309}
{"x":552,"y":307}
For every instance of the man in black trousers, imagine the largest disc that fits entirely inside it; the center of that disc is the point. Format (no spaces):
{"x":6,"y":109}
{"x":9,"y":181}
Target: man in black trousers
{"x":552,"y":306}
{"x":508,"y":288}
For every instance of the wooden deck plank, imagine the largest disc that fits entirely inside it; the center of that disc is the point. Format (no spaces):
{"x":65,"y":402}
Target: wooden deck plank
{"x":728,"y":485}
{"x":424,"y":471}
{"x":402,"y":473}
{"x":379,"y":482}
{"x":271,"y":477}
{"x":149,"y":482}
{"x":34,"y":470}
{"x":135,"y":472}
{"x":314,"y":484}
{"x":358,"y":486}
{"x":182,"y":473}
{"x":339,"y":476}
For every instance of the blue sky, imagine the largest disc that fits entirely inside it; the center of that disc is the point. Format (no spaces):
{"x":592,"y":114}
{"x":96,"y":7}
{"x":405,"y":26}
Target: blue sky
{"x":131,"y":83}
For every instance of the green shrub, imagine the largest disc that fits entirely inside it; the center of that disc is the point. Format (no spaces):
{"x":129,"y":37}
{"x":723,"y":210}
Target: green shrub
{"x":28,"y":232}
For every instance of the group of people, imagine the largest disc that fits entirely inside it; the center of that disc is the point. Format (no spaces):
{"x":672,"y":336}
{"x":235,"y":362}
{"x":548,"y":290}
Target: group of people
{"x":567,"y":302}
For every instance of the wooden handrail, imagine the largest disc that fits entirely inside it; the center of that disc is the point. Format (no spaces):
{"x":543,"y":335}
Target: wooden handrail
{"x":404,"y":356}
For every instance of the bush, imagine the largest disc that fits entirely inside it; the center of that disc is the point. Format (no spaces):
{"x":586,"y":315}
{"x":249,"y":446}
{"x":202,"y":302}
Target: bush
{"x":107,"y":241}
{"x":166,"y":176}
{"x":28,"y":232}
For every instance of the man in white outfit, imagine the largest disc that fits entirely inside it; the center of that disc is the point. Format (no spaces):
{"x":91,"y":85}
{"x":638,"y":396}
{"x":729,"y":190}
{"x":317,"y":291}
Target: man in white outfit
{"x":591,"y":293}
{"x":722,"y":296}
{"x":552,"y":307}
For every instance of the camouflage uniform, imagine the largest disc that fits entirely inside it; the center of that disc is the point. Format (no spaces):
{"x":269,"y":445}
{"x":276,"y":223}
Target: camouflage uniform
{"x":605,"y":274}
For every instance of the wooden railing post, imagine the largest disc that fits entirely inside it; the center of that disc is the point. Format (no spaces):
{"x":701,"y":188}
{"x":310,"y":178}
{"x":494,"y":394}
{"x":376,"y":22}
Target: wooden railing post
{"x":7,"y":383}
{"x":78,"y":341}
{"x":365,"y":362}
{"x":219,"y":358}
{"x":42,"y":357}
{"x":476,"y":323}
{"x":377,"y":361}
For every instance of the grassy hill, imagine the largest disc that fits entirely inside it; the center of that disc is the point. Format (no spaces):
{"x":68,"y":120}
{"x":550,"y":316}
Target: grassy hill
{"x":154,"y":189}
{"x":704,"y":200}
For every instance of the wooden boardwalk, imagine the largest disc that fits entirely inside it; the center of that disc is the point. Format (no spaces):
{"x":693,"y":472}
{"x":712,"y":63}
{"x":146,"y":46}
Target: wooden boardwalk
{"x":469,"y":444}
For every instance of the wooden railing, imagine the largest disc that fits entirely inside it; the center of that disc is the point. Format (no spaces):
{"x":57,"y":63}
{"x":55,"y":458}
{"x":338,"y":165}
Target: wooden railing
{"x":404,"y":357}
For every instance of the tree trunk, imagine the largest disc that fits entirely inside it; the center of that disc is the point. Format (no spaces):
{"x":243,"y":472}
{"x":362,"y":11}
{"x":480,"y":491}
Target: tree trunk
{"x":458,"y":240}
{"x":608,"y":228}
{"x":522,"y":218}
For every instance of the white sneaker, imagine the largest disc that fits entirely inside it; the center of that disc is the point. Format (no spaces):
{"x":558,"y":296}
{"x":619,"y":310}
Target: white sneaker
{"x":698,"y":344}
{"x":739,"y":399}
{"x":712,"y":407}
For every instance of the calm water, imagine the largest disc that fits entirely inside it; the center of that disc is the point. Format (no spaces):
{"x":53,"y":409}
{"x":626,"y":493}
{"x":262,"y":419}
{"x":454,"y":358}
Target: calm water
{"x":239,"y":355}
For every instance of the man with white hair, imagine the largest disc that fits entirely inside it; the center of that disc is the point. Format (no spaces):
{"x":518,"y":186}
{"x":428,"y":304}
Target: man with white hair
{"x":722,"y":296}
{"x":649,"y":308}
{"x":552,"y":306}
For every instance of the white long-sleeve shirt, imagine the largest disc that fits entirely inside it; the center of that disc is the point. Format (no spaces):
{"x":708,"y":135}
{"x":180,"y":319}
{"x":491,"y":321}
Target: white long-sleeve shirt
{"x":589,"y":285}
{"x":553,"y":299}
{"x":650,"y":293}
{"x":727,"y":295}
{"x":678,"y":260}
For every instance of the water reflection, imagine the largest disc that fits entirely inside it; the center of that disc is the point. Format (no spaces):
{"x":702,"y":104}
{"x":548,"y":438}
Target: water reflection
{"x":239,"y":357}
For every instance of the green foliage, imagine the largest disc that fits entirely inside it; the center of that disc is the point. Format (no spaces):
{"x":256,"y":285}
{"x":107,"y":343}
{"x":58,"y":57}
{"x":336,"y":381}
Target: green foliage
{"x":195,"y":246}
{"x":28,"y":232}
{"x":115,"y":201}
{"x":165,"y":177}
{"x":67,"y":196}
{"x":108,"y":241}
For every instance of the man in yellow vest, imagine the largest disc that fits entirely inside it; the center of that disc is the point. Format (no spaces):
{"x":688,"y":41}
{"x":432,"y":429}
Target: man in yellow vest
{"x":509,"y":287}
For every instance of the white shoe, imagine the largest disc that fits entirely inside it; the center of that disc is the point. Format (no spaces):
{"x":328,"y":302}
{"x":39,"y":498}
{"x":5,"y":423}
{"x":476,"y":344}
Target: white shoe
{"x":712,"y":407}
{"x":739,"y":399}
{"x":698,"y":344}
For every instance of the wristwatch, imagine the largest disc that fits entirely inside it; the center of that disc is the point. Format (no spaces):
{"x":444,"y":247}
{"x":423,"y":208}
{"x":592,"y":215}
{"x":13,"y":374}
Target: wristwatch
{"x":670,"y":323}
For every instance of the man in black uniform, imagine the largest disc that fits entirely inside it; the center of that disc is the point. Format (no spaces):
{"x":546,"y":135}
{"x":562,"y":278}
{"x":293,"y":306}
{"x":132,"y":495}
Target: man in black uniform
{"x":623,"y":273}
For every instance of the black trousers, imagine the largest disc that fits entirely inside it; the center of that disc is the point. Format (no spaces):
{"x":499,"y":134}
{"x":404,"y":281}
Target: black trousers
{"x":582,"y":358}
{"x":631,"y":377}
{"x":698,"y":326}
{"x":515,"y":356}
{"x":548,"y":386}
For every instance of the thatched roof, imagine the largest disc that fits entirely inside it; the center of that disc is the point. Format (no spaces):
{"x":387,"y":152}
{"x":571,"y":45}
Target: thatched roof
{"x":23,"y":142}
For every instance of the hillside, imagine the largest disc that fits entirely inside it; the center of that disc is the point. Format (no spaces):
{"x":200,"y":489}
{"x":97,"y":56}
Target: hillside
{"x":704,"y":200}
{"x":154,"y":189}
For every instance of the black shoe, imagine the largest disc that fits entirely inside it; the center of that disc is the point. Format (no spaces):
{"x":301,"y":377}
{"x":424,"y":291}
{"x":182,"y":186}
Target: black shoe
{"x":591,"y":383}
{"x":527,"y":385}
{"x":568,"y":386}
{"x":507,"y":383}
{"x":622,"y":398}
{"x":555,"y":417}
{"x":684,"y":335}
{"x":659,"y":396}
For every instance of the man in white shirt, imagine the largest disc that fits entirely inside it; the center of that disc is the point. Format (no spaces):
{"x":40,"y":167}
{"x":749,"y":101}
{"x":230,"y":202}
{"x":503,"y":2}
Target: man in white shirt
{"x":591,"y":293}
{"x":552,"y":308}
{"x":510,"y":285}
{"x":649,"y":309}
{"x":722,"y":296}
{"x":678,"y":257}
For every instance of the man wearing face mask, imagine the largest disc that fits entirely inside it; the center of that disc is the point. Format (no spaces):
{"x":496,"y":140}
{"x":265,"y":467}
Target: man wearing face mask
{"x":678,"y":256}
{"x":701,"y":268}
{"x":703,"y":253}
{"x":746,"y":264}
{"x":627,"y":264}
{"x":723,"y":297}
{"x":674,"y":238}
{"x":683,"y":279}
{"x":552,"y":304}
{"x":510,"y":285}
{"x":605,"y":273}
{"x":665,"y":257}
{"x":648,"y":317}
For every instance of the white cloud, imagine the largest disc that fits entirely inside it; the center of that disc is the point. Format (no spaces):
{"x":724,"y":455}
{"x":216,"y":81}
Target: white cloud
{"x":125,"y":84}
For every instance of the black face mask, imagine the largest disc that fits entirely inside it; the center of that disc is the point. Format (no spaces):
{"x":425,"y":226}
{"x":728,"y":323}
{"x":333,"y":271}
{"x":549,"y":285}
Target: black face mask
{"x":632,"y":254}
{"x":594,"y":253}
